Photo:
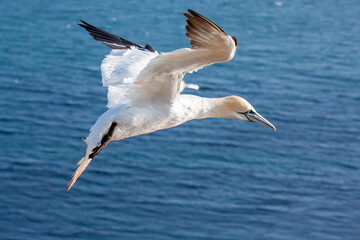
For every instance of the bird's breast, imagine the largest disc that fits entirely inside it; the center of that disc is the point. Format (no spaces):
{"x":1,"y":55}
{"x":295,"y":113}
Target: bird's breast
{"x":140,"y":120}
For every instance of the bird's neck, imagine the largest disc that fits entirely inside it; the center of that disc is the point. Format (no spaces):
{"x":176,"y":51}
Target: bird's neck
{"x":206,"y":107}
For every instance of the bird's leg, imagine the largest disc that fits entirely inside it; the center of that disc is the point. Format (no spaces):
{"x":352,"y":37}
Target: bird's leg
{"x":104,"y":141}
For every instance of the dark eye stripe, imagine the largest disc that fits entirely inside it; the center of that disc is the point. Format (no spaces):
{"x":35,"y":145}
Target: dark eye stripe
{"x":248,"y":111}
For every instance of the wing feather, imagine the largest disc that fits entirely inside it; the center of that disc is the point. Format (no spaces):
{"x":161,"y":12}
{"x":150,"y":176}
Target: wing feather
{"x":119,"y":70}
{"x":111,"y":40}
{"x":136,"y":74}
{"x":161,"y":79}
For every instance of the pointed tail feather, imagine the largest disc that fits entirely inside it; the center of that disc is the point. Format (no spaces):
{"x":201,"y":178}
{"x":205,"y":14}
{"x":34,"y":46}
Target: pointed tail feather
{"x":83,"y":163}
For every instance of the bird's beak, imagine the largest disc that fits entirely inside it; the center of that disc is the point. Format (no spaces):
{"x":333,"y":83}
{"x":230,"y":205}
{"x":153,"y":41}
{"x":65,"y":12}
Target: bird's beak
{"x":257,"y":118}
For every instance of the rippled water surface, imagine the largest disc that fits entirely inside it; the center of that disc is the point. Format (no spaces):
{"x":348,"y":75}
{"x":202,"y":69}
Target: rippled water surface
{"x":297,"y":63}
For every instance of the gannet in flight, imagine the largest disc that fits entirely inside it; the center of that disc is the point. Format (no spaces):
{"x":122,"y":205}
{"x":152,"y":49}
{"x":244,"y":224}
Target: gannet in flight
{"x":144,"y":86}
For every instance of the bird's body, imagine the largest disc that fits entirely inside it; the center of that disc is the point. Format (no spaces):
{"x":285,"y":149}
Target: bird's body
{"x":142,"y":119}
{"x":144,"y":87}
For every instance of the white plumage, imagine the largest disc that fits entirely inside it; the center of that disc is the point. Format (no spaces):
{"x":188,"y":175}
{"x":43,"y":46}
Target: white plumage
{"x":144,"y":86}
{"x":119,"y":70}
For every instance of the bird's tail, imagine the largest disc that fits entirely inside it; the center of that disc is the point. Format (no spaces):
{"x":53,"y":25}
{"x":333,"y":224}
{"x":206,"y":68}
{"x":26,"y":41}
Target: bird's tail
{"x":82,"y":165}
{"x":85,"y":161}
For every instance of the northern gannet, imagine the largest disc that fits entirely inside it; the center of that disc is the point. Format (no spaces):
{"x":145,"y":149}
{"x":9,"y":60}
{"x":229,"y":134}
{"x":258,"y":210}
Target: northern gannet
{"x":144,"y":86}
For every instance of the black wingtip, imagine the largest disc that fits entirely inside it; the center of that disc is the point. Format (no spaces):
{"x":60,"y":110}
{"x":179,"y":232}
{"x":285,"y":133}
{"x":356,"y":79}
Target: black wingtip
{"x":150,"y":48}
{"x":85,"y":22}
{"x":111,"y":40}
{"x":196,"y":14}
{"x":85,"y":25}
{"x":192,"y":12}
{"x":235,"y":40}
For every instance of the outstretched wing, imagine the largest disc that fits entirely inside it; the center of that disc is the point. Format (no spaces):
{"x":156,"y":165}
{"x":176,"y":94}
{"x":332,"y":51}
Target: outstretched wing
{"x":120,"y":68}
{"x":160,"y":80}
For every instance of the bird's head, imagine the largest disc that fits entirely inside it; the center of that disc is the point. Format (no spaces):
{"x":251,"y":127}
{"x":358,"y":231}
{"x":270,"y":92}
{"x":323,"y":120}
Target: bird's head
{"x":239,"y":108}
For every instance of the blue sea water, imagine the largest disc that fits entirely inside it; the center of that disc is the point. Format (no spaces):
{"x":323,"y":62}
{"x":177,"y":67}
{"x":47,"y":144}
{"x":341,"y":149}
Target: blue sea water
{"x":298,"y":63}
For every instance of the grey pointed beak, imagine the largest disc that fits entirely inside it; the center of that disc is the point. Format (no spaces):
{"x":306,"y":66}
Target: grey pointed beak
{"x":257,"y":118}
